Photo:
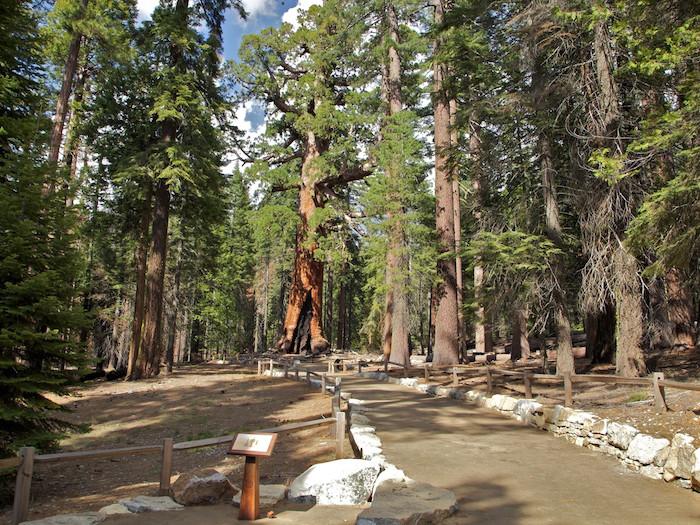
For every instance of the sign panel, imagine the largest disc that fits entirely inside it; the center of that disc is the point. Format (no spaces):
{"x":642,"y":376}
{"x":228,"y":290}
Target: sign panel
{"x":258,"y":444}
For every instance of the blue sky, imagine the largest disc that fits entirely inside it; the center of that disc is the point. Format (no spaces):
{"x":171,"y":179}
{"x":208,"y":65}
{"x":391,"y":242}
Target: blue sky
{"x":261,"y":14}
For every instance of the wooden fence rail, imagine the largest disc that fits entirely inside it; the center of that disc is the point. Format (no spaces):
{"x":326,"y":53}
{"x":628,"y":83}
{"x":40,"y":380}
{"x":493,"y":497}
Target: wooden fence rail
{"x":657,"y":382}
{"x":28,"y":458}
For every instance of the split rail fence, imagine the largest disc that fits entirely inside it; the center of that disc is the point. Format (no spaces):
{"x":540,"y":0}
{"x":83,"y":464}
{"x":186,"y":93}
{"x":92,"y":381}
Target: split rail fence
{"x":657,"y":382}
{"x":28,"y":457}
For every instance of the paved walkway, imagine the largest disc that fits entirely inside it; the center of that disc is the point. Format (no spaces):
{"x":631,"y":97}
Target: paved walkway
{"x":504,"y":472}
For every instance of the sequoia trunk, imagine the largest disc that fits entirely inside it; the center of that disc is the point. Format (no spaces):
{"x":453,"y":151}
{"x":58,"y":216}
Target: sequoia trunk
{"x":395,"y":334}
{"x":302,"y":329}
{"x":69,"y":70}
{"x":151,"y":343}
{"x":140,"y":257}
{"x":446,"y":347}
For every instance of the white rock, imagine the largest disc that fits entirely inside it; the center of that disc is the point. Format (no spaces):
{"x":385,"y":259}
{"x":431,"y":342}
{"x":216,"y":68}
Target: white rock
{"x":358,"y":429}
{"x":408,"y":381}
{"x":680,"y":459}
{"x":340,"y":482}
{"x":391,"y":473}
{"x":647,"y":450}
{"x":507,"y":404}
{"x":523,"y":407}
{"x":114,"y":508}
{"x":581,"y":418}
{"x":600,"y":427}
{"x":651,"y":471}
{"x":408,"y":503}
{"x":87,"y":518}
{"x":620,"y":435}
{"x":695,"y":479}
{"x":270,"y":495}
{"x":150,"y":504}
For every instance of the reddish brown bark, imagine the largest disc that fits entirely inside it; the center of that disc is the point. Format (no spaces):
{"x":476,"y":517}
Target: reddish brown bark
{"x":446,"y":348}
{"x":140,"y":257}
{"x":482,"y":327}
{"x":680,"y":309}
{"x":69,"y":70}
{"x":302,"y":330}
{"x":395,"y":335}
{"x":151,"y":344}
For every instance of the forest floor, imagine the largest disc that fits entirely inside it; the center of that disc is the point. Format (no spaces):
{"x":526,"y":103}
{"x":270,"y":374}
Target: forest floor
{"x":195,"y":402}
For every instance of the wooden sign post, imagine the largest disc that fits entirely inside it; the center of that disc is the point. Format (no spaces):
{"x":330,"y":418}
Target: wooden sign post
{"x":252,"y":446}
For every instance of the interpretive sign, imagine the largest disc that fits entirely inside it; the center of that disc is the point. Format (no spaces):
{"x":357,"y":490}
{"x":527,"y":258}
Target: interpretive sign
{"x":258,"y":444}
{"x":252,"y":446}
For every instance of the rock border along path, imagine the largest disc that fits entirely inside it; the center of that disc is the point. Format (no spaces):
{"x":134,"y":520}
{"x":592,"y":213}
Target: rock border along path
{"x":501,"y":471}
{"x":675,"y":461}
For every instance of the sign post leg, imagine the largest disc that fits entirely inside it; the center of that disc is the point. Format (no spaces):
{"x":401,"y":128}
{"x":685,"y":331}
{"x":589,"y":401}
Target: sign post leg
{"x":250,"y":492}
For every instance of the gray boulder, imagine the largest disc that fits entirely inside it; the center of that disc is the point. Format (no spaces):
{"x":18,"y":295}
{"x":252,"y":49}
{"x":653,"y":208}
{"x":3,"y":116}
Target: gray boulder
{"x":340,"y":482}
{"x":201,"y":487}
{"x":150,"y":504}
{"x":408,"y":503}
{"x":270,"y":495}
{"x":86,"y":518}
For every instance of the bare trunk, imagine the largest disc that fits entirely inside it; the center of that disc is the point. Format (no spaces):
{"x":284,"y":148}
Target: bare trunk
{"x":340,"y":330}
{"x":681,"y":313}
{"x":155,"y":276}
{"x":446,"y":348}
{"x":565,"y":352}
{"x":302,"y":331}
{"x":174,"y":308}
{"x":140,"y":257}
{"x":69,"y":70}
{"x":457,"y":211}
{"x":520,"y":346}
{"x":482,"y":327}
{"x":329,"y":306}
{"x":73,"y":143}
{"x":395,"y":333}
{"x":629,"y":357}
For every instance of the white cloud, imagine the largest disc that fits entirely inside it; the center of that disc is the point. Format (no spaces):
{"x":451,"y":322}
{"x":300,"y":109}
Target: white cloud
{"x":256,"y":7}
{"x":146,"y":8}
{"x":291,"y":16}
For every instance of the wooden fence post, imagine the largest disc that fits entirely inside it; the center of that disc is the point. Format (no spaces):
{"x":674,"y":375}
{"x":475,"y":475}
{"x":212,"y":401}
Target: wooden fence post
{"x":386,"y":365}
{"x":568,"y":391}
{"x":489,"y":380}
{"x":659,"y":392}
{"x":359,"y":366}
{"x":23,"y":486}
{"x":455,"y":379}
{"x":323,"y":384}
{"x":308,"y":377}
{"x":259,"y":367}
{"x":426,"y":372}
{"x":331,"y":367}
{"x":286,"y":370}
{"x":527,"y":380}
{"x":272,"y":365}
{"x":339,"y":434}
{"x":166,"y":466}
{"x":296,"y":372}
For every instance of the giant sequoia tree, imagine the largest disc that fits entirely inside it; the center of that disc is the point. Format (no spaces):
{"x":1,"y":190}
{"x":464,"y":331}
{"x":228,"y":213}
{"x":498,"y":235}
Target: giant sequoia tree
{"x":304,"y":76}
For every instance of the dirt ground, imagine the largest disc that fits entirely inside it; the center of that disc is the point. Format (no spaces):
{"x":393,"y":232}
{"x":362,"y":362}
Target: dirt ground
{"x":194,"y":403}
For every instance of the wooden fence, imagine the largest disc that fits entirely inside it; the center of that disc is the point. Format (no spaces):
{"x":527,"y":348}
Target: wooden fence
{"x":657,"y":382}
{"x":28,"y":458}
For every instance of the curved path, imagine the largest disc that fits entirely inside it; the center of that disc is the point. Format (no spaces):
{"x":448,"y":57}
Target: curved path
{"x":504,"y":472}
